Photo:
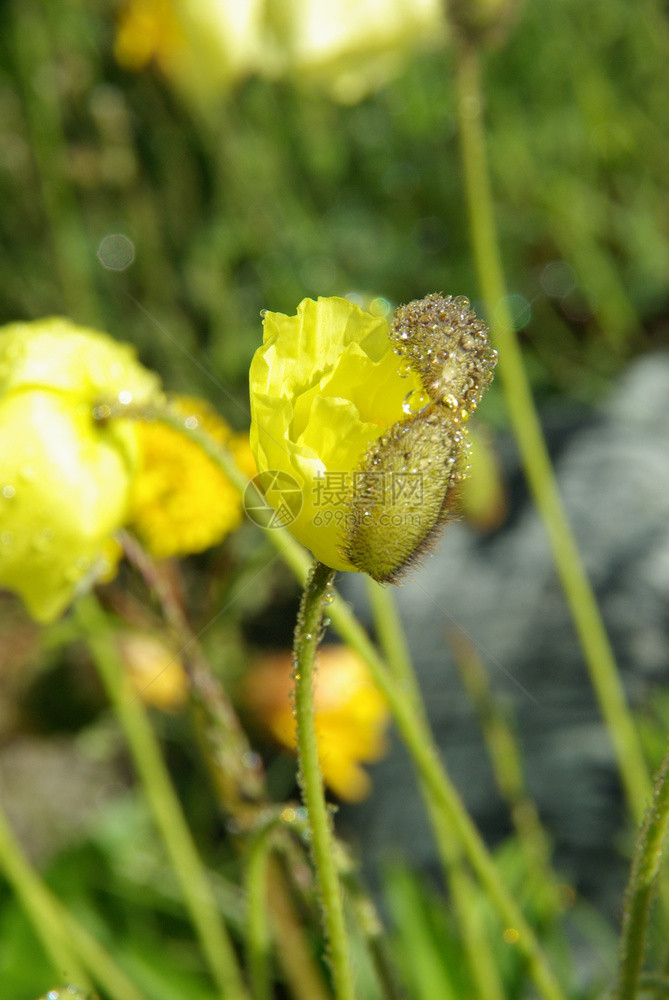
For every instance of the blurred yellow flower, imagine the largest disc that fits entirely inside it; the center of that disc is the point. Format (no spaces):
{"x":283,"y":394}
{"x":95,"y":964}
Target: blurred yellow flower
{"x":364,"y":422}
{"x":201,"y":45}
{"x":181,"y":502}
{"x":154,"y":669}
{"x":352,"y":47}
{"x":347,"y":46}
{"x":350,"y":714}
{"x":148,"y":30}
{"x":64,"y":476}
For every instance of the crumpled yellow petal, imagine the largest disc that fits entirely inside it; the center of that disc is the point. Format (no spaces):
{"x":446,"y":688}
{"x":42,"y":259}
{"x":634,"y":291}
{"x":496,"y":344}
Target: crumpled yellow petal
{"x":324,"y":386}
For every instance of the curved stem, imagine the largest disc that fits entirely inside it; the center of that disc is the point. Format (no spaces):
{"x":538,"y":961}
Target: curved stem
{"x":529,"y":436}
{"x":307,"y":636}
{"x":482,"y":965}
{"x":41,"y":908}
{"x":164,"y":804}
{"x":438,"y":789}
{"x":442,"y":796}
{"x":70,"y":946}
{"x":639,"y":895}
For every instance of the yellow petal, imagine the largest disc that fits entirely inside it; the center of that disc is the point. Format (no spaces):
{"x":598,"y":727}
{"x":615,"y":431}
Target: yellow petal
{"x":324,"y":386}
{"x":64,"y":476}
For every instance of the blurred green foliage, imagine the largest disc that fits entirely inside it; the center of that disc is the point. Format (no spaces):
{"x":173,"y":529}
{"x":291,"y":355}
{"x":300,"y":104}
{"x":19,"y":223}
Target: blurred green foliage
{"x":275,"y":192}
{"x":272,"y":194}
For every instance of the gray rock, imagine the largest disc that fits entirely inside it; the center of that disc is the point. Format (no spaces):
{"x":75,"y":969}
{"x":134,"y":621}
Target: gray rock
{"x":613,"y":472}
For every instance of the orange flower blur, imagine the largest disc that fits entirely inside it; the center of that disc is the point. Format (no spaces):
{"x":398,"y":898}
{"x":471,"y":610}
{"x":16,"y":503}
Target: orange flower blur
{"x":350,"y":714}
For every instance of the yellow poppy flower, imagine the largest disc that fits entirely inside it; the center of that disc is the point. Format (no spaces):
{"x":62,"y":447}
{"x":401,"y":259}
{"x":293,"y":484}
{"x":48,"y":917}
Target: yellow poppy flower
{"x":350,"y":714}
{"x":365,"y":423}
{"x":64,"y":476}
{"x":348,"y":47}
{"x":181,"y":502}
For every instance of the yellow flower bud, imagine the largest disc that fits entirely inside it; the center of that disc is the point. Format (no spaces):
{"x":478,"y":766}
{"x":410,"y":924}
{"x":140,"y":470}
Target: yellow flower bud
{"x":64,"y":476}
{"x":364,"y":423}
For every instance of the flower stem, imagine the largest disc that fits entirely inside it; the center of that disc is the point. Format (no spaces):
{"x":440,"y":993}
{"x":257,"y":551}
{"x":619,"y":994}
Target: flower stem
{"x":164,"y":804}
{"x":307,"y":636}
{"x":482,"y":965}
{"x":443,"y":797}
{"x":258,"y":935}
{"x":41,"y":907}
{"x":437,"y":786}
{"x":236,"y":774}
{"x":529,"y":436}
{"x":70,"y":947}
{"x":639,"y":895}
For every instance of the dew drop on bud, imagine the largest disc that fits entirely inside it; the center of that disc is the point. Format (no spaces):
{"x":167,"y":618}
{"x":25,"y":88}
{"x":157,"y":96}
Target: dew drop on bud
{"x":404,"y":368}
{"x":415,"y":402}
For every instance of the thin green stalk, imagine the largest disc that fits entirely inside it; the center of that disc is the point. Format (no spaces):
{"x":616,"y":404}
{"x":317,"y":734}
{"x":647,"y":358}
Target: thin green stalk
{"x":437,"y":785}
{"x":302,"y":973}
{"x":391,"y":638}
{"x":223,"y":743}
{"x":70,"y":947}
{"x":41,"y":908}
{"x":307,"y":636}
{"x":164,"y":804}
{"x":482,"y":965}
{"x":506,"y":761}
{"x":527,"y":429}
{"x":240,"y":784}
{"x":258,"y":936}
{"x":99,"y":962}
{"x":444,"y":798}
{"x":643,"y":877}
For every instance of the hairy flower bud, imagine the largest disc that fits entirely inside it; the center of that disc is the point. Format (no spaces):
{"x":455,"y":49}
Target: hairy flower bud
{"x":368,"y":424}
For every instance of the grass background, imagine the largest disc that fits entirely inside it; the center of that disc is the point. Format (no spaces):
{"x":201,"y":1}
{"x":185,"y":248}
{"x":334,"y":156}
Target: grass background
{"x":272,"y":193}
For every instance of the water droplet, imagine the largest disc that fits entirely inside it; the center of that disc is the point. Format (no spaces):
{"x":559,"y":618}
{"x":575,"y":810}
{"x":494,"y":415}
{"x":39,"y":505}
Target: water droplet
{"x":191,"y":423}
{"x":404,"y":368}
{"x":462,"y":302}
{"x":263,"y":313}
{"x":415,"y":402}
{"x":125,"y":397}
{"x":452,"y":402}
{"x":329,"y":597}
{"x":8,"y":492}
